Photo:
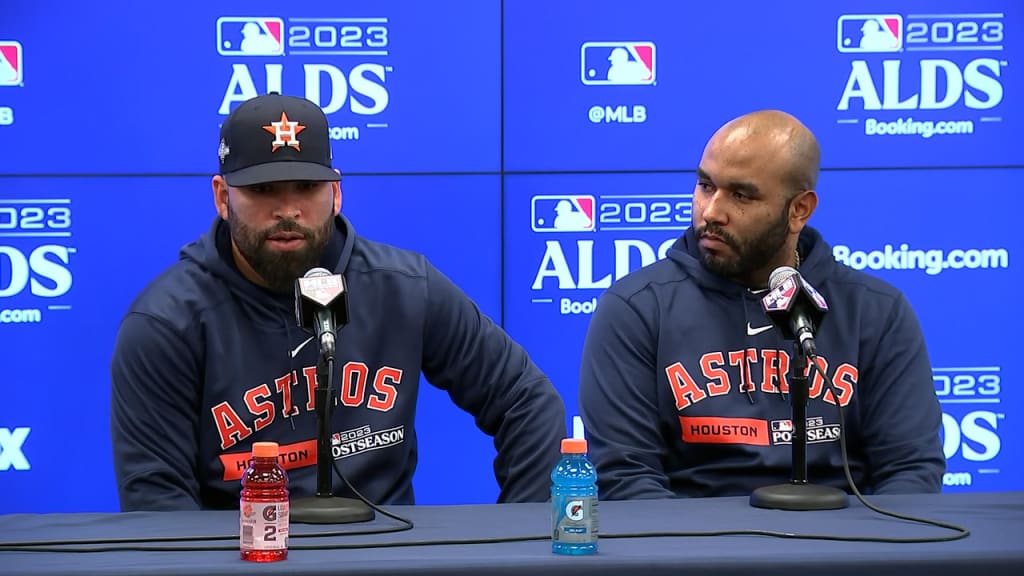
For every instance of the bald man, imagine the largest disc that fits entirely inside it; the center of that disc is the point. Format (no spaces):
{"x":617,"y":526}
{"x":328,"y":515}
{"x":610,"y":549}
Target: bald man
{"x":684,"y":380}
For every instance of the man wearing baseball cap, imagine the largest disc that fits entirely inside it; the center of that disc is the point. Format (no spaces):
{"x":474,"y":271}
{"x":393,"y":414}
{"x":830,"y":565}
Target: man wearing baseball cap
{"x":208,"y":358}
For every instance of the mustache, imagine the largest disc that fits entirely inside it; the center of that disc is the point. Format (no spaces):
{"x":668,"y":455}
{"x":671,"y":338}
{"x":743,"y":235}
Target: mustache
{"x":716,"y":230}
{"x":287,"y":226}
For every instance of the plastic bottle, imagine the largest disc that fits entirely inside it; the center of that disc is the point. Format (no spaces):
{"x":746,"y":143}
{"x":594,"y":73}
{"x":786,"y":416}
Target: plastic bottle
{"x":263,"y":507}
{"x":574,"y":501}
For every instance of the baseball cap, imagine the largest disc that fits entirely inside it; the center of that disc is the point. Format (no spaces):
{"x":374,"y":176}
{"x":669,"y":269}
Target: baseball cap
{"x":274,"y":138}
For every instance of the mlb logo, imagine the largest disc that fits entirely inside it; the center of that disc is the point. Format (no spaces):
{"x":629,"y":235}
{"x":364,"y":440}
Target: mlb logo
{"x":250,"y":36}
{"x":859,"y":33}
{"x":321,"y":289}
{"x":617,"y":63}
{"x":782,"y":425}
{"x":10,"y":63}
{"x":818,"y":298}
{"x":780,"y":296}
{"x":563,"y":213}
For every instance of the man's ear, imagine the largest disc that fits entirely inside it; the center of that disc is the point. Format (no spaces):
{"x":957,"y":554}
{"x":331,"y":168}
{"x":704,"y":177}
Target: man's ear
{"x":801,"y":209}
{"x":220,"y":195}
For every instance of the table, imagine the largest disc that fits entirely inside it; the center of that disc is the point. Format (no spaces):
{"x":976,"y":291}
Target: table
{"x":994,"y":548}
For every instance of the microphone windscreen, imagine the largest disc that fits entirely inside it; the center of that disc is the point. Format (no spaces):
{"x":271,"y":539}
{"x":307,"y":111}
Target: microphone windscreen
{"x":779,"y":275}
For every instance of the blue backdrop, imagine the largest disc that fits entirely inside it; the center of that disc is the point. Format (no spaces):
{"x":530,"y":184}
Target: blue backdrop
{"x":461,"y":125}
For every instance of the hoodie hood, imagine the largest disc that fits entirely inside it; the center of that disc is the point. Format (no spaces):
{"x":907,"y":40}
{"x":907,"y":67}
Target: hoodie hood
{"x":815,"y":261}
{"x":267,"y":308}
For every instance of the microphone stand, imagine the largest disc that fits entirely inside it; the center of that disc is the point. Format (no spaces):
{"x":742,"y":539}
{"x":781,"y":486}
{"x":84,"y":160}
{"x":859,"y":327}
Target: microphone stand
{"x":325,"y":507}
{"x":799,"y":494}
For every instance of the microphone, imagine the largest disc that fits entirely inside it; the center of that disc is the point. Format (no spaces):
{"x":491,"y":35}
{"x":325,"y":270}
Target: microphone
{"x":321,"y":305}
{"x":796,"y":309}
{"x":794,"y":306}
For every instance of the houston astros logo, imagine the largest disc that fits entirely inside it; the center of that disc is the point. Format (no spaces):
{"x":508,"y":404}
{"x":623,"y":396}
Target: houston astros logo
{"x":285,"y":132}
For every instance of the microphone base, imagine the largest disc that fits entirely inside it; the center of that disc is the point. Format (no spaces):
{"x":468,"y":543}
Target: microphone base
{"x":329,"y":510}
{"x":799,"y":496}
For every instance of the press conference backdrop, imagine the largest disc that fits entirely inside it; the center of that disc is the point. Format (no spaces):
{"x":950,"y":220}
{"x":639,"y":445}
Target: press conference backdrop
{"x":534,"y":150}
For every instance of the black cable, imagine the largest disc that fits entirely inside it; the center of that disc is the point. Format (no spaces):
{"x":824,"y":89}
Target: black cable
{"x":32,"y":547}
{"x":91,"y":546}
{"x":132,"y":544}
{"x":408,"y":523}
{"x":961,"y":532}
{"x":28,"y":547}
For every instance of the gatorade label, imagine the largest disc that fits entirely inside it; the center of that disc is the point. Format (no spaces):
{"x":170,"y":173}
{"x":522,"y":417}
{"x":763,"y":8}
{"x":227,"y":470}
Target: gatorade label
{"x":264,"y":525}
{"x":575,"y":519}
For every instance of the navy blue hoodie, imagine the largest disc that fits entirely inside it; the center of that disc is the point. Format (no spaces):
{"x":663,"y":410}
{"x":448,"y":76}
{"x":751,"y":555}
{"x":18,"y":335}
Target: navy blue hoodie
{"x":206,"y":363}
{"x":683,"y":384}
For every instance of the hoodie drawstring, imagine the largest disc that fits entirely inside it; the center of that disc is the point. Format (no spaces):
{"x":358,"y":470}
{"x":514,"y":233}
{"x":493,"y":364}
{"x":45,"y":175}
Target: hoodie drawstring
{"x":778,"y":376}
{"x":745,"y":369}
{"x":745,"y":376}
{"x":293,"y":374}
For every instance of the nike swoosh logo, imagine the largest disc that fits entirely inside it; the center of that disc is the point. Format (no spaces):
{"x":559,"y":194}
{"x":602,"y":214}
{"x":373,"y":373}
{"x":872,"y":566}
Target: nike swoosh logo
{"x":751,"y":331}
{"x":310,"y":339}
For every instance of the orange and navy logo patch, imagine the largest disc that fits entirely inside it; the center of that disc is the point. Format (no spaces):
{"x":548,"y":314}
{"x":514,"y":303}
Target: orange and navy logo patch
{"x":285,"y":133}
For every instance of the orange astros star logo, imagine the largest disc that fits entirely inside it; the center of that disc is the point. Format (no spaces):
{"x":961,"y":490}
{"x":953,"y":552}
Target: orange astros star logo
{"x":285,"y":133}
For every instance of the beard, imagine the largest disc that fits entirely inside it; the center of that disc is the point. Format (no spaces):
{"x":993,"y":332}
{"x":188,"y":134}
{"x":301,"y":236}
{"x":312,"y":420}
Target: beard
{"x":751,"y":254}
{"x":279,"y":269}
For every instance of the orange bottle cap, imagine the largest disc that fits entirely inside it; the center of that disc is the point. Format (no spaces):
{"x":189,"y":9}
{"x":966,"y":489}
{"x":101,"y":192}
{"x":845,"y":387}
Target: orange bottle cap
{"x":265,"y":449}
{"x":574,"y":446}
